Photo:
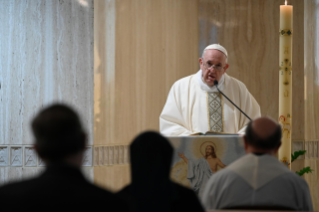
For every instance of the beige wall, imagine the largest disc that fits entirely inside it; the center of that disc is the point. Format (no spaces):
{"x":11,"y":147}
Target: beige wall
{"x":141,"y":48}
{"x":311,"y":74}
{"x":249,"y":30}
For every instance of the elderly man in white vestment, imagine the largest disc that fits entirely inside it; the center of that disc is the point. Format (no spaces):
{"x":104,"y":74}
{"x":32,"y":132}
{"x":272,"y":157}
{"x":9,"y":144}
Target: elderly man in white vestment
{"x":258,"y":180}
{"x":195,"y":105}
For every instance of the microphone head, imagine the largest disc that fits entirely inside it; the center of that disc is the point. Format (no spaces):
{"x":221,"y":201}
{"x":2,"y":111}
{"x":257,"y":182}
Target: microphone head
{"x":215,"y":82}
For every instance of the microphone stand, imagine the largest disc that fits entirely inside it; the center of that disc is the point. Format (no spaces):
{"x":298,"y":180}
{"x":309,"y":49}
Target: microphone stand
{"x":216,"y":83}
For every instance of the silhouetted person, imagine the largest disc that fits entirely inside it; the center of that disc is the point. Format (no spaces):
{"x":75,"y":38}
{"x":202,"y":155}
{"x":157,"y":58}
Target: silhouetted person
{"x":258,"y":180}
{"x":60,"y":141}
{"x":151,"y":189}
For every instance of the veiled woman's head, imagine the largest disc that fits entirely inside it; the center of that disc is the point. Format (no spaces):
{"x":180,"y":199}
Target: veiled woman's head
{"x":151,"y":155}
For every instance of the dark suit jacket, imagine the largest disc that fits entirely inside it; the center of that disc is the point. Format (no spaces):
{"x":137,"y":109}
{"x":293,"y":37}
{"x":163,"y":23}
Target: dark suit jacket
{"x":184,"y":201}
{"x":60,"y":188}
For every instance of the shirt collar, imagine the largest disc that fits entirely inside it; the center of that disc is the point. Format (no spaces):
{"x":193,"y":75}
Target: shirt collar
{"x":207,"y":88}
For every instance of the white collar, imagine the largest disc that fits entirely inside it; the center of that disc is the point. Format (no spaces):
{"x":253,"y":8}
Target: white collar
{"x":207,"y":88}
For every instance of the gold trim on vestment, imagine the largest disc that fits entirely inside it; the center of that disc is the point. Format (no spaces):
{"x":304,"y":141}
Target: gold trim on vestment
{"x":215,"y":110}
{"x":208,"y":117}
{"x":222,"y":99}
{"x":222,"y":105}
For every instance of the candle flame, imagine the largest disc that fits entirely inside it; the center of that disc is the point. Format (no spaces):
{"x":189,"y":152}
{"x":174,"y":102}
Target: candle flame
{"x":285,"y":2}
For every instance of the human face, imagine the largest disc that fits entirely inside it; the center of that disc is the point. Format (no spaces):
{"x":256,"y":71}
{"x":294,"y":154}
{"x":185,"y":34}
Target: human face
{"x":208,"y":150}
{"x":216,"y":58}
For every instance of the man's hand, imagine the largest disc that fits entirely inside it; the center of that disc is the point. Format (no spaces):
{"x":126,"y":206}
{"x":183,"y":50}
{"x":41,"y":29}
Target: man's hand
{"x":181,"y":155}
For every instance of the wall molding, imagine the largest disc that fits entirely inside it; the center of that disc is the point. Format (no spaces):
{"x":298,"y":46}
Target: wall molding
{"x":297,"y":145}
{"x":311,"y":147}
{"x":111,"y":155}
{"x":26,"y":156}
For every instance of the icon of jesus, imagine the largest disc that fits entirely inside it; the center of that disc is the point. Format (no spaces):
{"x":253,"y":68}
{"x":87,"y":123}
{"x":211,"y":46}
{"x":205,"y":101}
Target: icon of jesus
{"x":199,"y":171}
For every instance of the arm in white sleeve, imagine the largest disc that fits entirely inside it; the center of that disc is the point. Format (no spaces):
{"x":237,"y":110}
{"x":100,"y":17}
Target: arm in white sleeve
{"x":171,"y":120}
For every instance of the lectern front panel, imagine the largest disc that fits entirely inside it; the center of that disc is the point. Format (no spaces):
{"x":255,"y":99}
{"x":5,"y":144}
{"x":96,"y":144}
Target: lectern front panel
{"x":197,"y":158}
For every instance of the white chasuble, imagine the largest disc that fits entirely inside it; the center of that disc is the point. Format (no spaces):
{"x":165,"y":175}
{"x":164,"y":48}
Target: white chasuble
{"x":256,"y":180}
{"x":188,"y":110}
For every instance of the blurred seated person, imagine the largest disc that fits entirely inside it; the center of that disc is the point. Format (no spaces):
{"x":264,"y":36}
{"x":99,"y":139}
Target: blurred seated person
{"x":150,"y":188}
{"x":258,"y":180}
{"x":60,"y":142}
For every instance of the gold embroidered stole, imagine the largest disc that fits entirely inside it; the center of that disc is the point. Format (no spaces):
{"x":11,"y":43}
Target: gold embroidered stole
{"x":215,"y":111}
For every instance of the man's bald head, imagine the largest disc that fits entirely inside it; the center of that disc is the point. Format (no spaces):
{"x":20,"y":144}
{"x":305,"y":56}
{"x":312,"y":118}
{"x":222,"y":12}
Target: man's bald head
{"x":264,"y":127}
{"x":263,"y":133}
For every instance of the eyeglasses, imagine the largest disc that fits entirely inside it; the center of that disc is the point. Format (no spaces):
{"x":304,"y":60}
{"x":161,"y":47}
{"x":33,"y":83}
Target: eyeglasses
{"x":212,"y":66}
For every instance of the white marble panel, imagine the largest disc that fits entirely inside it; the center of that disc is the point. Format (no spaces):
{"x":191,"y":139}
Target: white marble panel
{"x":4,"y":156}
{"x":88,"y":173}
{"x":87,"y":157}
{"x":3,"y":175}
{"x":30,"y":156}
{"x":15,"y":174}
{"x":41,"y":162}
{"x":16,"y":158}
{"x":30,"y":172}
{"x":46,"y":51}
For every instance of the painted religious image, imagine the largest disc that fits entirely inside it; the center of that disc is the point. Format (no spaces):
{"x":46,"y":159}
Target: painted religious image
{"x":196,"y":159}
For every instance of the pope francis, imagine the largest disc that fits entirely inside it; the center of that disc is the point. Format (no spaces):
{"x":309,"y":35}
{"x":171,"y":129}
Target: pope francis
{"x":194,"y":104}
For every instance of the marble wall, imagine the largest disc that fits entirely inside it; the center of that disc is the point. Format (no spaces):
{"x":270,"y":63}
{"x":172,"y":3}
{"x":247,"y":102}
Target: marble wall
{"x":46,"y":51}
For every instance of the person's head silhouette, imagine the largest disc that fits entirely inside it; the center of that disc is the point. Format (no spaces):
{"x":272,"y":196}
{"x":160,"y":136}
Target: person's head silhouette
{"x":151,"y":157}
{"x":151,"y":188}
{"x":59,"y":136}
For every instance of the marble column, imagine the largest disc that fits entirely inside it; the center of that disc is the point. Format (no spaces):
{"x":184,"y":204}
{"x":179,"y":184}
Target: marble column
{"x":46,"y":51}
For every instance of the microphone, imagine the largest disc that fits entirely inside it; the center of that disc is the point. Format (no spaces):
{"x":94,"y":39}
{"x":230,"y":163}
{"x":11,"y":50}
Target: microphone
{"x":216,"y":83}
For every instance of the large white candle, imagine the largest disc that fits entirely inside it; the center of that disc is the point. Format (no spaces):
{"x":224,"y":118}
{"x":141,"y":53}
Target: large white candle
{"x":285,"y":81}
